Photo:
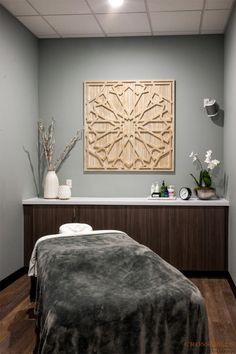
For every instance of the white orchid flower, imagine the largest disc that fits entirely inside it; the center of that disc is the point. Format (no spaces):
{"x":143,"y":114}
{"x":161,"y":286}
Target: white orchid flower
{"x":208,"y":156}
{"x":216,"y":162}
{"x":194,"y":156}
{"x":213,"y":164}
{"x":208,"y":153}
{"x":210,"y":166}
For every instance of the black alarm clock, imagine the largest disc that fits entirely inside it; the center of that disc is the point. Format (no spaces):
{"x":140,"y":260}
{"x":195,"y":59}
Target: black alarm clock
{"x":185,"y":193}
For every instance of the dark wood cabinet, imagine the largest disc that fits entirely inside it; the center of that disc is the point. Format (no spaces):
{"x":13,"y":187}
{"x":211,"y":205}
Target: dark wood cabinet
{"x":191,"y":238}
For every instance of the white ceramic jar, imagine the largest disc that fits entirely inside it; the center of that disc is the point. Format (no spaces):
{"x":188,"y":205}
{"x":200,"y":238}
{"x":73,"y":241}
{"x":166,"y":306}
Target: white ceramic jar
{"x":64,"y":192}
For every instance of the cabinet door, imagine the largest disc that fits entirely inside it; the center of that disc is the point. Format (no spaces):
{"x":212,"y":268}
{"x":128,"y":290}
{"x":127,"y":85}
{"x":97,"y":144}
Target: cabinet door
{"x":103,"y":217}
{"x":41,"y":220}
{"x":48,"y":219}
{"x":150,"y":227}
{"x":216,"y":238}
{"x":187,"y":238}
{"x":197,"y":238}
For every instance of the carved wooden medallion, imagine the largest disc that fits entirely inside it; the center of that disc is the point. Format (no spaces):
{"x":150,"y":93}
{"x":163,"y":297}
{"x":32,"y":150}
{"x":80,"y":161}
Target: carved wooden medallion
{"x":129,"y":125}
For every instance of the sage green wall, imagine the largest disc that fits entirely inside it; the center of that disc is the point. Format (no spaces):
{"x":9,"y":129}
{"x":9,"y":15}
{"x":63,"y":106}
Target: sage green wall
{"x":229,"y":136}
{"x":18,"y":116}
{"x":195,"y":62}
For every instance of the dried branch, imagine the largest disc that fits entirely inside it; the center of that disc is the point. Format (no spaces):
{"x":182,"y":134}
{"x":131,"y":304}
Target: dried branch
{"x":63,"y":156}
{"x":47,"y":142}
{"x":32,"y":169}
{"x":41,"y":165}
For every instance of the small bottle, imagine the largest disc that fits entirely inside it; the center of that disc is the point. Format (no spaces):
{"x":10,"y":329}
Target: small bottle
{"x":155,"y":190}
{"x":162,"y":189}
{"x":166,"y":193}
{"x":171,"y":191}
{"x":152,"y":188}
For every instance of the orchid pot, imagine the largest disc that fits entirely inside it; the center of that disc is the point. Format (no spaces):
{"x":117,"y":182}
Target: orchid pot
{"x":205,"y":193}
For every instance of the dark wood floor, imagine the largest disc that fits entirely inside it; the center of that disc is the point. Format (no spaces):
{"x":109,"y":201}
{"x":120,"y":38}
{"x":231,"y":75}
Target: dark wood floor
{"x":17,"y":321}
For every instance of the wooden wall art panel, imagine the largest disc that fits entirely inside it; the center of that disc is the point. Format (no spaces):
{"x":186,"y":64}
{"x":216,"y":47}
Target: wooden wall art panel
{"x":129,"y":125}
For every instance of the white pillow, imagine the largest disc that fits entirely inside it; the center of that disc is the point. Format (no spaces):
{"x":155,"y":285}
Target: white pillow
{"x":74,"y":228}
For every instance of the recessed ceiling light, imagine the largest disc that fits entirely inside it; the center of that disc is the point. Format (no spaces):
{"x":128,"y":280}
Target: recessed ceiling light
{"x":116,"y":3}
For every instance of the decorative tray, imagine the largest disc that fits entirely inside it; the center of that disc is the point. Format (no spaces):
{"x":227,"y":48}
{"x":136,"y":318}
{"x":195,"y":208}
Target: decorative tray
{"x":161,"y":198}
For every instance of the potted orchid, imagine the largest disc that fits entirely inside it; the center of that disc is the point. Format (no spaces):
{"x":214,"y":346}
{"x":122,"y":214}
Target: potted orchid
{"x":204,"y":189}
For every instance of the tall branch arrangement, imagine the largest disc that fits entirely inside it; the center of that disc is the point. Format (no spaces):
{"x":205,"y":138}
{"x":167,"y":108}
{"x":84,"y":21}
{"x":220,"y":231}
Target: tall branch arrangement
{"x":45,"y":149}
{"x":47,"y":141}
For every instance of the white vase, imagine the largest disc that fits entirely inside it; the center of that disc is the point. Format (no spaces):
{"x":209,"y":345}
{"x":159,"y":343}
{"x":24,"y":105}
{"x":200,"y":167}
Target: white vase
{"x":51,"y":185}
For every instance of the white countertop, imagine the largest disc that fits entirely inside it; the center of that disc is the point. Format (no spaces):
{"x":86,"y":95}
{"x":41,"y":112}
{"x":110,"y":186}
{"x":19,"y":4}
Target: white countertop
{"x":126,"y":201}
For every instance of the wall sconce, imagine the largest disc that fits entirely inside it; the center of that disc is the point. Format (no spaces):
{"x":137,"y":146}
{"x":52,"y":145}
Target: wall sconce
{"x":212,"y":108}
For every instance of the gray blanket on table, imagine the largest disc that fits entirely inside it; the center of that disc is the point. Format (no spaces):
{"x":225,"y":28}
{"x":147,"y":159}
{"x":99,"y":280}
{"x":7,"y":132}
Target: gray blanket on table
{"x":107,"y":294}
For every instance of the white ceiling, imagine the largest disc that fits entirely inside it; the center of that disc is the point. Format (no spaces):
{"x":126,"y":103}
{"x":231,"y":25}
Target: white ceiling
{"x":96,"y":18}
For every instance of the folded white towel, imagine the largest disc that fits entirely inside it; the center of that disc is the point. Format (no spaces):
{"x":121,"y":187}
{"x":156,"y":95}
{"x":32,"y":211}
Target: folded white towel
{"x":74,"y":228}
